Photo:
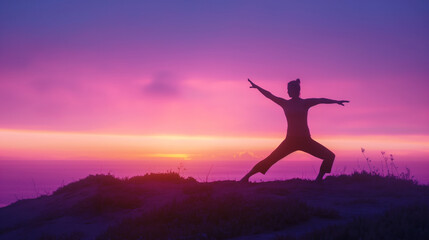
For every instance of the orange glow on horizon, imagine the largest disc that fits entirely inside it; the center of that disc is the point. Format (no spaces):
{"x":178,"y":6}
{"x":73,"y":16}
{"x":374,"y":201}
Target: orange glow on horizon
{"x":182,"y":156}
{"x":49,"y":145}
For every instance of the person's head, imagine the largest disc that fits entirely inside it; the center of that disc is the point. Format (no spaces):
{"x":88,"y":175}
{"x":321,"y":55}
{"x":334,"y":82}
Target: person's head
{"x":294,"y":88}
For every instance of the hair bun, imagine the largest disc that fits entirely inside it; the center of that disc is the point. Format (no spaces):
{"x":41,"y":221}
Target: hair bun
{"x":298,"y":81}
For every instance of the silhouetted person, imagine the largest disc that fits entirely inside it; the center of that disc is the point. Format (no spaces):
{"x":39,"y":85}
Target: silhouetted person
{"x":298,"y":135}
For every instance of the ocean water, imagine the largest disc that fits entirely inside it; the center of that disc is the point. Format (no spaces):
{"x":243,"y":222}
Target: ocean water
{"x":21,"y":179}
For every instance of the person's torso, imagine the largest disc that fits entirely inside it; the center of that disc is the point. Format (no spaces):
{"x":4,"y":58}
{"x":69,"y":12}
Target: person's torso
{"x":296,"y":113}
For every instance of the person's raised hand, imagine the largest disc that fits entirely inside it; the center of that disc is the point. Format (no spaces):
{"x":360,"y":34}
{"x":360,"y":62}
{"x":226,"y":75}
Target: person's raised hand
{"x":341,"y":102}
{"x":252,"y":84}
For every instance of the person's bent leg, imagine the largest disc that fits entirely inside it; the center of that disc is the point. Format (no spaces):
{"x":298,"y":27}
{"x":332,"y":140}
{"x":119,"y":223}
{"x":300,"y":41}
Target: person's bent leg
{"x":318,"y":150}
{"x":262,"y":167}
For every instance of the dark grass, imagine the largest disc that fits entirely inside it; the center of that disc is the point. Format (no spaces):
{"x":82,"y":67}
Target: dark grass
{"x":102,"y":202}
{"x":90,"y":181}
{"x":410,"y":222}
{"x":170,"y":177}
{"x":71,"y":236}
{"x":109,"y":180}
{"x":365,"y":177}
{"x":202,"y":214}
{"x":110,"y":194}
{"x":204,"y":217}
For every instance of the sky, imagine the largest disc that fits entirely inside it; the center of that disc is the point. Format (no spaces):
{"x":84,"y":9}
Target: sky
{"x":168,"y":79}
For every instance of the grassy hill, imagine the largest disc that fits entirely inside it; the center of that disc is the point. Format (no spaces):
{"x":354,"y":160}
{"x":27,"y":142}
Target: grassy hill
{"x":167,"y":206}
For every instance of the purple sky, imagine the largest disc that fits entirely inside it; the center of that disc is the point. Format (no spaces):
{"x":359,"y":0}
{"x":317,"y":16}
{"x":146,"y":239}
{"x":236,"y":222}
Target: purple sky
{"x":180,"y":67}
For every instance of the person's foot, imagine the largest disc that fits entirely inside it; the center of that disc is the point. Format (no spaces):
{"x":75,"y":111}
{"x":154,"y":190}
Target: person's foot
{"x":319,"y":177}
{"x":245,"y":179}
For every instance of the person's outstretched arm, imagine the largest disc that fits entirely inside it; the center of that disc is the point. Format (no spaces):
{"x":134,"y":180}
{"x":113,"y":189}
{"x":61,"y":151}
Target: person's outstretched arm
{"x":267,"y":94}
{"x":314,"y":101}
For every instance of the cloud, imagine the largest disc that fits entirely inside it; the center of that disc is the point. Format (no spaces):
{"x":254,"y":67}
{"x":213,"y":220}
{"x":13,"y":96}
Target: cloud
{"x":245,"y":155}
{"x":164,"y":84}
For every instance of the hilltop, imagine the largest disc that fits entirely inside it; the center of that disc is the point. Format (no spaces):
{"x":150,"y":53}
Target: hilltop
{"x":167,"y":206}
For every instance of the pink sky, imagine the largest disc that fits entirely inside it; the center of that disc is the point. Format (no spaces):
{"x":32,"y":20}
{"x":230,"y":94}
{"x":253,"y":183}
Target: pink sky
{"x":180,"y":70}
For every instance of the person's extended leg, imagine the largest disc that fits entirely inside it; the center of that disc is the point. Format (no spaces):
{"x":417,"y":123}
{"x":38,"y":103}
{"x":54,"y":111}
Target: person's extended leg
{"x":285,"y":148}
{"x":318,"y":150}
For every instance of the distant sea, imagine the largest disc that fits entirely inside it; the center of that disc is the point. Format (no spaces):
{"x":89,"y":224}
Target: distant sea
{"x":22,"y":179}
